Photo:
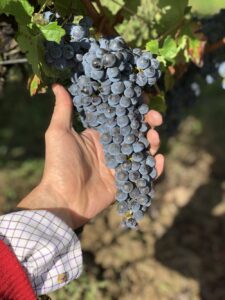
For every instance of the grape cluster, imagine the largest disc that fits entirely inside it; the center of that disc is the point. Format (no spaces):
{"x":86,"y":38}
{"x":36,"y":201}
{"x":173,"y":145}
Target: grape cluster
{"x":108,"y":79}
{"x":186,"y":90}
{"x":181,"y":97}
{"x":214,"y":29}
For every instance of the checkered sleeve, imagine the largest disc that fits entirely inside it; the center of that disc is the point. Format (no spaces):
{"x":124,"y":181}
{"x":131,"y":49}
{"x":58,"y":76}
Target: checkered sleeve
{"x":48,"y":250}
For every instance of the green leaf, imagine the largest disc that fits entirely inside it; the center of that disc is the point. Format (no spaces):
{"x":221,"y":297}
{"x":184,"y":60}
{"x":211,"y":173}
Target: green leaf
{"x":127,"y":8}
{"x":52,"y":32}
{"x":111,"y":6}
{"x":130,"y":7}
{"x":153,"y":46}
{"x":66,"y":7}
{"x":162,"y":60}
{"x":21,"y":10}
{"x":182,"y":42}
{"x":158,"y":103}
{"x":169,"y":50}
{"x":28,"y":43}
{"x":171,"y":14}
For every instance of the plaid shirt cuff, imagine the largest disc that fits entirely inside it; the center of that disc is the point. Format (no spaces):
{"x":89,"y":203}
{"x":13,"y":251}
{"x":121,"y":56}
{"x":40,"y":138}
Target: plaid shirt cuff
{"x":47,"y":248}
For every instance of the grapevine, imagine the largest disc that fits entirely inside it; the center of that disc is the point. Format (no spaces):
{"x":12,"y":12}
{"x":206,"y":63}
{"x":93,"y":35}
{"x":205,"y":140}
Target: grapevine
{"x":82,"y":45}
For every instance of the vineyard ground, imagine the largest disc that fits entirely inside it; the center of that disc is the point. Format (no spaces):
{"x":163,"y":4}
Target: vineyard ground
{"x":178,"y":254}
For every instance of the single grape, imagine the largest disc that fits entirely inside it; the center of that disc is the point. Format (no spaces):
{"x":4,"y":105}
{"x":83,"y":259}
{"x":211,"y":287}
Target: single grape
{"x":141,"y":183}
{"x":127,"y":187}
{"x":138,"y":147}
{"x":122,"y":121}
{"x":150,"y":161}
{"x":114,"y":149}
{"x":134,"y":176}
{"x":127,"y":149}
{"x":121,"y":196}
{"x":105,"y":138}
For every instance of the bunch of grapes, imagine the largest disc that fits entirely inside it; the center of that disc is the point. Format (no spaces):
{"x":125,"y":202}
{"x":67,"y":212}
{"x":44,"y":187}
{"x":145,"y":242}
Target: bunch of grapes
{"x":181,"y":97}
{"x":214,"y":62}
{"x":187,"y":89}
{"x":108,"y":79}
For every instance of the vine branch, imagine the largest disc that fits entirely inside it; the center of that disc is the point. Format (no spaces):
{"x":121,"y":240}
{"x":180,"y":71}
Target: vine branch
{"x":13,"y":61}
{"x":214,"y":47}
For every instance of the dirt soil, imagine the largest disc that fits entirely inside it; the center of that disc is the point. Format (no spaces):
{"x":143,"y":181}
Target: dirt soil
{"x":178,"y":253}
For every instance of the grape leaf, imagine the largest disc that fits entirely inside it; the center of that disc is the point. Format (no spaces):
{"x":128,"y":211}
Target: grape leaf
{"x":171,"y":14}
{"x":130,"y":7}
{"x":66,"y":7}
{"x":158,"y":102}
{"x":196,"y":50}
{"x":29,"y":44}
{"x":111,"y":6}
{"x":153,"y":46}
{"x":52,"y":32}
{"x":34,"y":84}
{"x":127,"y":7}
{"x":21,"y":10}
{"x":169,"y":49}
{"x":192,"y":45}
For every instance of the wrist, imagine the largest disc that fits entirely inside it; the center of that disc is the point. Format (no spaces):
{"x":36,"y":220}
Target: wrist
{"x":44,"y":197}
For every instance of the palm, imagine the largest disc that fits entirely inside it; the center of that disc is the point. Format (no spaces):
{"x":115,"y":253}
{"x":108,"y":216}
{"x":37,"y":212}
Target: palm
{"x":100,"y":184}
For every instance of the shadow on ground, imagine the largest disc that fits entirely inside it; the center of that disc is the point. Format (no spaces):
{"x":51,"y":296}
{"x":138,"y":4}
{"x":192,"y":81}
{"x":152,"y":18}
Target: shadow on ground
{"x":194,"y":245}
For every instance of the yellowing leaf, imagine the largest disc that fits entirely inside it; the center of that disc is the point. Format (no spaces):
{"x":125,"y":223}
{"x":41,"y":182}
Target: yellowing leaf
{"x":34,"y":83}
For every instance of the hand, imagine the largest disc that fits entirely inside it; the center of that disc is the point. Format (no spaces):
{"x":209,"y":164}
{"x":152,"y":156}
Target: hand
{"x":76,"y":183}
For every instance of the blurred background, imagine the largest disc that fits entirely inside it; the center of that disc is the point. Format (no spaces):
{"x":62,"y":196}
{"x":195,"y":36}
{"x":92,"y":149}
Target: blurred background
{"x":179,"y":251}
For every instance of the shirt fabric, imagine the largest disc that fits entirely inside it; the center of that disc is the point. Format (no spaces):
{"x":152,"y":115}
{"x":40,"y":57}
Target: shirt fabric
{"x":46,"y":247}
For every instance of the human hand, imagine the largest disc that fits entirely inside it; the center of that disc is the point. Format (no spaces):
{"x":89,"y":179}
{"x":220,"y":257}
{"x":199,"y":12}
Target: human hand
{"x":76,"y":179}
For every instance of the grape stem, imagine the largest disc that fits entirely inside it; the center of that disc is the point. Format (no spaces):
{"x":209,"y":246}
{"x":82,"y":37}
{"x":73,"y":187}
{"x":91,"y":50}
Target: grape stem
{"x":176,"y":27}
{"x":157,"y":88}
{"x":214,"y":47}
{"x":43,"y":6}
{"x":13,"y":61}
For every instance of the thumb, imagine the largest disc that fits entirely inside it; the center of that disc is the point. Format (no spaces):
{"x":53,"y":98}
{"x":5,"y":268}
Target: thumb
{"x":62,"y":114}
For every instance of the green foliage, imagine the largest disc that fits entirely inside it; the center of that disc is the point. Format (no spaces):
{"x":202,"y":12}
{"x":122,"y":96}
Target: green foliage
{"x":158,"y":102}
{"x":163,"y":27}
{"x":21,"y":10}
{"x":171,"y":13}
{"x":51,"y":32}
{"x":81,"y":289}
{"x":66,"y":7}
{"x":31,"y":34}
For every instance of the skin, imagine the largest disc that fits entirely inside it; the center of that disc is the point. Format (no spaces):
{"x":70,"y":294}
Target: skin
{"x":76,"y":184}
